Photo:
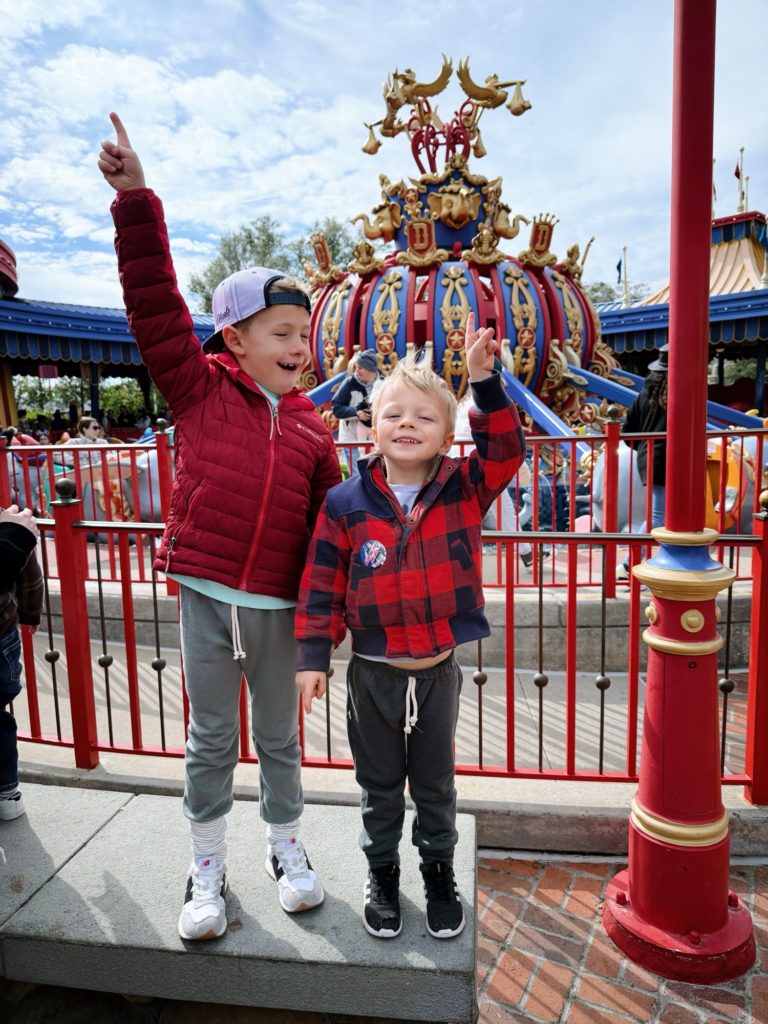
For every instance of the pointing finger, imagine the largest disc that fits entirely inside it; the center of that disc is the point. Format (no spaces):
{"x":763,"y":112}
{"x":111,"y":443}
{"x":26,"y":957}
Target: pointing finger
{"x":122,"y":134}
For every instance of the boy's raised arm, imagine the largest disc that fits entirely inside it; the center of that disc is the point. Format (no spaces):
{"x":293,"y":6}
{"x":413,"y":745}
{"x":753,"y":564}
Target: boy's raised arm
{"x":118,"y":161}
{"x":157,"y":313}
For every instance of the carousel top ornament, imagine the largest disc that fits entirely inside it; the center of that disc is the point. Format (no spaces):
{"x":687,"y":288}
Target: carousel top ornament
{"x":433,"y":251}
{"x":427,"y":132}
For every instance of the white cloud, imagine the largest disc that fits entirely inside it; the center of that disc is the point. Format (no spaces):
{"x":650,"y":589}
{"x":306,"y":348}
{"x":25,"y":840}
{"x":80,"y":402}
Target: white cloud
{"x":239,"y":109}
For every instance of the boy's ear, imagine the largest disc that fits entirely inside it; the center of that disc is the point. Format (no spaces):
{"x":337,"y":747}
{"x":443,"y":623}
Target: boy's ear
{"x":232,"y":340}
{"x":447,"y":444}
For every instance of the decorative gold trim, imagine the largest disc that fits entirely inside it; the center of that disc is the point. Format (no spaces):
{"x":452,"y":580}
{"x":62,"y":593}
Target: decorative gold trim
{"x":652,"y":613}
{"x":692,"y":621}
{"x":704,"y":538}
{"x":677,"y":833}
{"x":687,"y":649}
{"x":680,"y":585}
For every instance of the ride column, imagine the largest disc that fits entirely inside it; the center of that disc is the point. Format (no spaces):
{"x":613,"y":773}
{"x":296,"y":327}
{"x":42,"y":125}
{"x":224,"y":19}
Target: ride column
{"x":671,"y":911}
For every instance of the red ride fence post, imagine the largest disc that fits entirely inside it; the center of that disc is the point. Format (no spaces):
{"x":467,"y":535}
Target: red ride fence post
{"x":756,"y":760}
{"x":5,"y":480}
{"x":70,"y":558}
{"x":165,"y":479}
{"x":164,"y":467}
{"x":611,"y":495}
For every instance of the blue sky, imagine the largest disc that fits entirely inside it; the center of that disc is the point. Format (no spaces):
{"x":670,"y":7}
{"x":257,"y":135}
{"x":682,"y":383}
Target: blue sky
{"x":242,"y":109}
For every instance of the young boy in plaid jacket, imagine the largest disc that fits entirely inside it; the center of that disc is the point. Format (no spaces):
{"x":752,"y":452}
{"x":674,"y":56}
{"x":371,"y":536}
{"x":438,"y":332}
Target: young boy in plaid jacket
{"x":396,"y":557}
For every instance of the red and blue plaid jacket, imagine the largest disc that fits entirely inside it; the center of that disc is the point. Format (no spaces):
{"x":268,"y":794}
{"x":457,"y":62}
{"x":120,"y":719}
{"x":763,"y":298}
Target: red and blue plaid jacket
{"x":408,"y":585}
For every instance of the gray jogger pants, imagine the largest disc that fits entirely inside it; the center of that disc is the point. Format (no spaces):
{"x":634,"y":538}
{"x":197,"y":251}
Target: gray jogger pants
{"x":385,"y":758}
{"x":212,"y":679}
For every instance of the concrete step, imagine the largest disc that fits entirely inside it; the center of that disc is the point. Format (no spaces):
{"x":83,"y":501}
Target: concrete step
{"x":91,"y":884}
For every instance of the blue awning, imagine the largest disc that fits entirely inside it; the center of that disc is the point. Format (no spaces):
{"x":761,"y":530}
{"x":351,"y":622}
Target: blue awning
{"x":57,"y":332}
{"x":733,"y":319}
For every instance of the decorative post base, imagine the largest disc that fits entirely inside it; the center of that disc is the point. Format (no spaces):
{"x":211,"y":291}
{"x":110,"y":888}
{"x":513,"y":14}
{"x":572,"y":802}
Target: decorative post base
{"x":671,"y":911}
{"x":704,"y":958}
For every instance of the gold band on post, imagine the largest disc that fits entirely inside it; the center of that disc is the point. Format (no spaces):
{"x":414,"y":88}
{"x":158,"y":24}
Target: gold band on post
{"x":676,"y":833}
{"x":691,"y":649}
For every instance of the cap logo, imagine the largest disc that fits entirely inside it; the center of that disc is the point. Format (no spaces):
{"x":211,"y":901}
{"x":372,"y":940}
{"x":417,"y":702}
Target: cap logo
{"x":223,"y":315}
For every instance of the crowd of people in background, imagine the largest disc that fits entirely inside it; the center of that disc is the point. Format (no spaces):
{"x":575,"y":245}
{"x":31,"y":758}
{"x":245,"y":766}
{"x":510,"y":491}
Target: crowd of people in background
{"x":60,"y":428}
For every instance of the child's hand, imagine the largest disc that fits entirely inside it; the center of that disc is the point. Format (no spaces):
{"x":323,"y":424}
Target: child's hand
{"x":118,"y":162}
{"x":310,"y":684}
{"x":20,"y":517}
{"x":480,"y":347}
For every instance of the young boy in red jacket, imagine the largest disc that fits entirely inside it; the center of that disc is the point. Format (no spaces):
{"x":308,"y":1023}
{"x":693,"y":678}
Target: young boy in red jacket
{"x":396,"y":557}
{"x":253,"y":463}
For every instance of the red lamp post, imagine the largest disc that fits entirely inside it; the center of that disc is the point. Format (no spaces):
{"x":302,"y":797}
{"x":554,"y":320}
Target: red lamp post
{"x":671,"y":910}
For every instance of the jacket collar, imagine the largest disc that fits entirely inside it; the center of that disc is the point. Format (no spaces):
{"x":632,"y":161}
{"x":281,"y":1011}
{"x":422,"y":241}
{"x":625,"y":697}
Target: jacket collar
{"x":225,"y":362}
{"x":373,"y":475}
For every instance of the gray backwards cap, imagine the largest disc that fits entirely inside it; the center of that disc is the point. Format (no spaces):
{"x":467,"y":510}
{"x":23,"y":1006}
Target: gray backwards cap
{"x":244,"y":293}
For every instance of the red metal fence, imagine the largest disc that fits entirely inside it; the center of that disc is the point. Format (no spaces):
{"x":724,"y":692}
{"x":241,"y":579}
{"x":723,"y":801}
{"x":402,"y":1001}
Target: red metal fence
{"x":564,"y":700}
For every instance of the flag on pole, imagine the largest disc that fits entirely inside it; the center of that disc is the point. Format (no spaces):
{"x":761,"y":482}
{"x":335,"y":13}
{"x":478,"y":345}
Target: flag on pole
{"x":618,"y":271}
{"x":737,"y":171}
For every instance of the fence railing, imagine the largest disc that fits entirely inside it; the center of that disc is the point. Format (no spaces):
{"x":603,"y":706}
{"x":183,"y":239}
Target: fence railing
{"x":556,"y":692}
{"x":560,"y":489}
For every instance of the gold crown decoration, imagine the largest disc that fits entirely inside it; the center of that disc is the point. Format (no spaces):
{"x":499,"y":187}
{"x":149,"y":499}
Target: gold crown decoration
{"x":537,"y":254}
{"x":419,"y":227}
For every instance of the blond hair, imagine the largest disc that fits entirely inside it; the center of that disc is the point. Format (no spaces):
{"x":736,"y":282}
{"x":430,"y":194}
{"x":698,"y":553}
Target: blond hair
{"x":422,"y":377}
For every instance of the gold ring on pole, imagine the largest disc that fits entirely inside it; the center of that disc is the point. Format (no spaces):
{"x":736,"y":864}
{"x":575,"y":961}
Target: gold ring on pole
{"x":676,"y":833}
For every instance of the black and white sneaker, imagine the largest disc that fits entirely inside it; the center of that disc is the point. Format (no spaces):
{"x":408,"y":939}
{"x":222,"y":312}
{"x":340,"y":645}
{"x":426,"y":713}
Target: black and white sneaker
{"x":203,"y":915}
{"x":381,"y":913}
{"x":445,"y":914}
{"x":298,"y":887}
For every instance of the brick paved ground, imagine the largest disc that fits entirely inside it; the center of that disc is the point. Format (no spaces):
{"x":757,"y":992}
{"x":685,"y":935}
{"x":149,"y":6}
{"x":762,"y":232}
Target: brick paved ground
{"x":543,"y":954}
{"x":542,"y":957}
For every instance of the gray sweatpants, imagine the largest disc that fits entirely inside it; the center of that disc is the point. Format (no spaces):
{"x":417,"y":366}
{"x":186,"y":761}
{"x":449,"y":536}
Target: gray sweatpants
{"x":212,"y":677}
{"x":385,"y":757}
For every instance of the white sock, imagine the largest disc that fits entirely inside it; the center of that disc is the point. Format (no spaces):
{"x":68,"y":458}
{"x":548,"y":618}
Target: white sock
{"x":283,"y":833}
{"x":209,"y":838}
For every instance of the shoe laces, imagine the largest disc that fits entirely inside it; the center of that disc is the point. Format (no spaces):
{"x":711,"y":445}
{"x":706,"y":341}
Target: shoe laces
{"x":206,"y":879}
{"x":293,"y":859}
{"x":439,"y":883}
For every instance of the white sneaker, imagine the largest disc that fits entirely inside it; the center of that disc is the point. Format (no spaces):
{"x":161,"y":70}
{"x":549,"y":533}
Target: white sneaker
{"x":298,"y":887}
{"x":11,"y":806}
{"x":203,"y":915}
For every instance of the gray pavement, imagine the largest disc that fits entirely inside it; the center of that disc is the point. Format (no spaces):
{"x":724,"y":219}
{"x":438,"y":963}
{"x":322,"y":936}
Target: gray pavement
{"x":91,"y":886}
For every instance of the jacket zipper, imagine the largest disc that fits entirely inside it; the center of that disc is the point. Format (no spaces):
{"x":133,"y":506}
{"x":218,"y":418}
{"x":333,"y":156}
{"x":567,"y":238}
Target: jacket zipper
{"x":190,"y":506}
{"x":274,"y":433}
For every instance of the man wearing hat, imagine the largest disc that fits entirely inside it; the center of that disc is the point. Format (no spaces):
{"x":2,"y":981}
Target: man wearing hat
{"x":648,"y":415}
{"x":351,"y":403}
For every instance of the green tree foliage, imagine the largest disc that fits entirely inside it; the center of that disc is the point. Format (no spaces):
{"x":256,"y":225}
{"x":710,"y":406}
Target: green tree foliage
{"x":262,"y":244}
{"x":116,"y":392}
{"x":41,"y":397}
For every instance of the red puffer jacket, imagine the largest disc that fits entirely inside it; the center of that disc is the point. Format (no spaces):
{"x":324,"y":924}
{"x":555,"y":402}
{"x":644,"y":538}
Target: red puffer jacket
{"x":250,"y":479}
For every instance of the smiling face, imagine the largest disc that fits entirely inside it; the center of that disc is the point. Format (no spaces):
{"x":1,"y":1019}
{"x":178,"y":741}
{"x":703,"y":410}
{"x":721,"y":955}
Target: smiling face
{"x":272,"y":346}
{"x":411,"y":427}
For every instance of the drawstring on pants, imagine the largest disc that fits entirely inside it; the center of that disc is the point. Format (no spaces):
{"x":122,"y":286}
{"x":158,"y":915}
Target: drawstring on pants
{"x":237,"y":644}
{"x":411,"y":707}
